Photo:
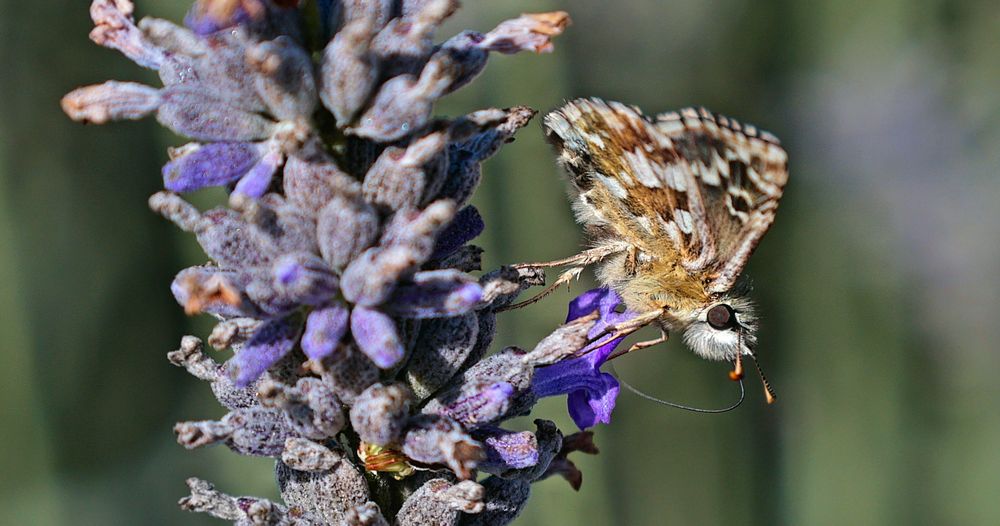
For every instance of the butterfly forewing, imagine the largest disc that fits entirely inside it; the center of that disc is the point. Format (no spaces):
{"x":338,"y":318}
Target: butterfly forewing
{"x":691,"y":185}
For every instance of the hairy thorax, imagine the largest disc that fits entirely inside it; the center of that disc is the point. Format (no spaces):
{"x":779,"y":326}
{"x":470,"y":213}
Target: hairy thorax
{"x":648,"y":284}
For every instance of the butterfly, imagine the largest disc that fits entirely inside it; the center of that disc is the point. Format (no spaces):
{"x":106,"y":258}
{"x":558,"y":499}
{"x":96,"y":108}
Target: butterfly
{"x":673,"y":206}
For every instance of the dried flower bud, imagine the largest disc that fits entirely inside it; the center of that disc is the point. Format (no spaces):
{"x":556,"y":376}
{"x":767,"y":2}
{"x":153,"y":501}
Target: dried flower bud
{"x":464,"y":158}
{"x":529,"y":32}
{"x":311,"y":407}
{"x":205,"y":498}
{"x":188,"y":110}
{"x":474,"y":403}
{"x":213,"y":291}
{"x":398,"y":179}
{"x":233,"y":331}
{"x":345,"y":227}
{"x":565,"y":341}
{"x":254,"y":431}
{"x":380,"y":413}
{"x":190,"y":357}
{"x":111,"y":101}
{"x":349,"y":70}
{"x":233,"y":243}
{"x":312,"y":181}
{"x":434,"y":439}
{"x":438,"y":502}
{"x":302,"y":454}
{"x":173,"y":38}
{"x":495,"y":388}
{"x":286,"y":82}
{"x":115,"y":28}
{"x":405,"y":43}
{"x":501,"y":287}
{"x":330,"y":494}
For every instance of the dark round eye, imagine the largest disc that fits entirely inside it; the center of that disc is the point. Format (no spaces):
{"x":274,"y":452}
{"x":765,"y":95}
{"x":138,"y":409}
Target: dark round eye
{"x":721,"y":317}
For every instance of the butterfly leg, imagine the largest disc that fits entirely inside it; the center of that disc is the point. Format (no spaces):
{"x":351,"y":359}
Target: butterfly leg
{"x":620,"y":330}
{"x":565,"y":277}
{"x":579,"y":262}
{"x":583,"y":259}
{"x":638,"y":346}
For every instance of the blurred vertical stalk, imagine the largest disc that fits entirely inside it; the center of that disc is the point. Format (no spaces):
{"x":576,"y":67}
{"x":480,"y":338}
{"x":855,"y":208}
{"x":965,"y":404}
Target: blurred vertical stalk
{"x":82,"y":265}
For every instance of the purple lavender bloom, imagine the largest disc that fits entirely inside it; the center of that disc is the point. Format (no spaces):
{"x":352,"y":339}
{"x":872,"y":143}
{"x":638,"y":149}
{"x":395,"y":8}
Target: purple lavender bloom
{"x":324,"y":329}
{"x":591,"y":394}
{"x":270,"y":343}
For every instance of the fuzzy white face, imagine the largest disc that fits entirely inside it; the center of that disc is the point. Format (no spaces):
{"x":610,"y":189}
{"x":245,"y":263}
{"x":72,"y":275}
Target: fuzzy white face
{"x":726,"y":328}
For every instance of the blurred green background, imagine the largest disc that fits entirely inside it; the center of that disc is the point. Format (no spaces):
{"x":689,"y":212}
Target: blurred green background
{"x":877,"y":285}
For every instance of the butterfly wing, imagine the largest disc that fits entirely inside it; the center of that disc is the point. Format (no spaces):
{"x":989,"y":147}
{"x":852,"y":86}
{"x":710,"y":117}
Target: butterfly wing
{"x":690,"y":185}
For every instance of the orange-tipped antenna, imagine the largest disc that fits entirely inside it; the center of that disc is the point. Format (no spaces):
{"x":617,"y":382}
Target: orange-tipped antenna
{"x":737,"y":373}
{"x":768,"y":392}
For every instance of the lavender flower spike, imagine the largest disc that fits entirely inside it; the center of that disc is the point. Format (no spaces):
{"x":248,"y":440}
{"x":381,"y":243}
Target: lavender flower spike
{"x":591,"y":393}
{"x":338,"y":262}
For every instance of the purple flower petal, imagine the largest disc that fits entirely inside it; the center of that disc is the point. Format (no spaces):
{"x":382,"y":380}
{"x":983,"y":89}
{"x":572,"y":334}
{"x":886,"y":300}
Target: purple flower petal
{"x":592,"y":406}
{"x":324,"y":329}
{"x":258,"y":179}
{"x":215,"y":164}
{"x":466,"y":226}
{"x":506,"y":450}
{"x":435,"y":294}
{"x":377,"y":336}
{"x":270,"y":343}
{"x":592,"y":393}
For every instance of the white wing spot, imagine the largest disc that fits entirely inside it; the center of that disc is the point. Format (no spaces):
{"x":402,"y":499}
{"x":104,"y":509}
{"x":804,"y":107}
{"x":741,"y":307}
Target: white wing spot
{"x":613,"y":186}
{"x":684,"y":220}
{"x":675,"y":178}
{"x":644,"y":170}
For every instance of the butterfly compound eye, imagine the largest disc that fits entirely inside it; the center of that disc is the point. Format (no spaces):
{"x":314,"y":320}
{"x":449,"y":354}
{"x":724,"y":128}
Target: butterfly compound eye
{"x":721,"y":317}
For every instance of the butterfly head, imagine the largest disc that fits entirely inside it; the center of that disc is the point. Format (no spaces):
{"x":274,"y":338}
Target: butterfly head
{"x":725,"y":328}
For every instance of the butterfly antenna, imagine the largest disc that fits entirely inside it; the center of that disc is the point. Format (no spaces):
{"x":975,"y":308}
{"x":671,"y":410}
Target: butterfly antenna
{"x":768,"y":392}
{"x":674,"y":404}
{"x":737,"y":372}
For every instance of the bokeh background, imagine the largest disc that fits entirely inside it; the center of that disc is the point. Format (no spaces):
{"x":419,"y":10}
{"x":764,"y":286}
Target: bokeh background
{"x":877,"y":285}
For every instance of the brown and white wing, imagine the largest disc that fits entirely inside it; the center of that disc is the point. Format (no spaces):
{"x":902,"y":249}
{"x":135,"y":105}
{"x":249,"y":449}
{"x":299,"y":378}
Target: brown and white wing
{"x":691,"y":184}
